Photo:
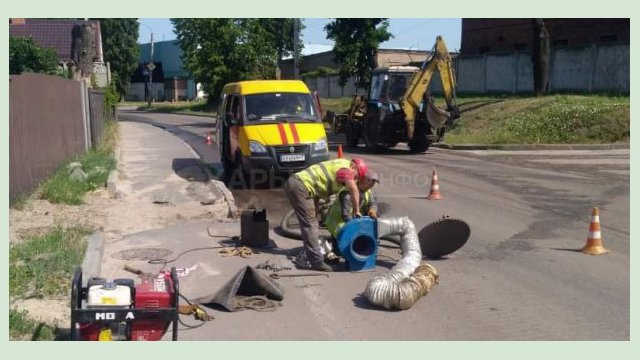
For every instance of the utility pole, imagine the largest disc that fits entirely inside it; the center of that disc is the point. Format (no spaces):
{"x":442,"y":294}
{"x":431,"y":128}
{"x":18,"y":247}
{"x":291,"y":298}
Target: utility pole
{"x":149,"y":70}
{"x":296,"y":52}
{"x":151,"y":67}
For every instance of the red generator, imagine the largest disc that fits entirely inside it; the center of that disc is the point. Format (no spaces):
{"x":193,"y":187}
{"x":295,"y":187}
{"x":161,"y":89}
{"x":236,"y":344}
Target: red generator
{"x":121,"y":310}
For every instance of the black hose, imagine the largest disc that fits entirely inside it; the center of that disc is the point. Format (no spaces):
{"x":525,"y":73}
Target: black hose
{"x":285,"y":230}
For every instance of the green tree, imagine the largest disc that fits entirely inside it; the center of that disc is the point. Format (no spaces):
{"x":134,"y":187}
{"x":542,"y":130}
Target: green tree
{"x":279,"y":32}
{"x":27,"y":56}
{"x":356,"y":43}
{"x":217,"y":51}
{"x":120,"y":47}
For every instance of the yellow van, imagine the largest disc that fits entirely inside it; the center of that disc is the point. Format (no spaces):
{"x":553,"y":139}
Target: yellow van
{"x":272,"y":125}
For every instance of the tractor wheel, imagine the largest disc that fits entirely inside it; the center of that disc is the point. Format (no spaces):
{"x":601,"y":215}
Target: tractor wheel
{"x":353,"y":133}
{"x":370,"y":134}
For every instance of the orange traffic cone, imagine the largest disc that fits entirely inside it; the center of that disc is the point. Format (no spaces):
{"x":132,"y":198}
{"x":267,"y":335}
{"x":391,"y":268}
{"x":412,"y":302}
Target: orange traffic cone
{"x":340,"y":154}
{"x":434,"y":193}
{"x":208,"y":140}
{"x":594,"y":240}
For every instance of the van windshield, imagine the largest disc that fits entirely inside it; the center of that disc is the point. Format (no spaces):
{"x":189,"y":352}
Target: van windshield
{"x":280,"y":107}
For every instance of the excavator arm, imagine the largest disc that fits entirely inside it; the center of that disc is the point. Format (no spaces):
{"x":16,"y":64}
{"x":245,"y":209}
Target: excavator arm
{"x":417,"y":91}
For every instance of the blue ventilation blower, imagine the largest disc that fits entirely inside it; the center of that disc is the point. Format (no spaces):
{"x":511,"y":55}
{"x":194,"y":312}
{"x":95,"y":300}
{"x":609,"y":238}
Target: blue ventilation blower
{"x":358,"y":243}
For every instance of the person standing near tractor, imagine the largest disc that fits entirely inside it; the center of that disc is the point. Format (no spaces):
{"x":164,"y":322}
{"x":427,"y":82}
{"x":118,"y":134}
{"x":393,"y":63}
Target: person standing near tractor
{"x":320,"y":181}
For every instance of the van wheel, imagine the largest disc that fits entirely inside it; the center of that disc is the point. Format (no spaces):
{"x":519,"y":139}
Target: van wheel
{"x":227,"y":165}
{"x":240,"y":172}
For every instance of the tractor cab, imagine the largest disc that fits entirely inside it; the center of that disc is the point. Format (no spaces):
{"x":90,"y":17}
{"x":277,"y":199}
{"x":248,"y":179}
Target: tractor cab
{"x":389,"y":84}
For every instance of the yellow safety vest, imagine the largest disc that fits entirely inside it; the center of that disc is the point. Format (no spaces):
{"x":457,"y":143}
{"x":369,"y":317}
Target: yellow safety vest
{"x":321,"y":180}
{"x":334,"y":220}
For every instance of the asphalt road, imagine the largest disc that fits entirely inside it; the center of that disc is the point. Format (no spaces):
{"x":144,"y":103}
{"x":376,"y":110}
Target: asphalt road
{"x":519,"y":277}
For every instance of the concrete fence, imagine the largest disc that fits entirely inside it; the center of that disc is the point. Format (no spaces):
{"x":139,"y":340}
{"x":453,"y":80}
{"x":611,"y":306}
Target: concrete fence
{"x":51,"y":120}
{"x":595,"y":68}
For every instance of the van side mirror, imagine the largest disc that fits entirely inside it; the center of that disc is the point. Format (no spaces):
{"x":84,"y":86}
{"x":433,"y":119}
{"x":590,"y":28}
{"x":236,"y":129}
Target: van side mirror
{"x":230,"y":119}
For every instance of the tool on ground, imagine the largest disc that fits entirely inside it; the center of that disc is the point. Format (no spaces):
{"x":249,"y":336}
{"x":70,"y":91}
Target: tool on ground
{"x":254,"y":228}
{"x":196,"y":310}
{"x":278,"y":276}
{"x":136,"y":271}
{"x":594,"y":240}
{"x":272,"y":267}
{"x":121,"y":310}
{"x":434,"y":193}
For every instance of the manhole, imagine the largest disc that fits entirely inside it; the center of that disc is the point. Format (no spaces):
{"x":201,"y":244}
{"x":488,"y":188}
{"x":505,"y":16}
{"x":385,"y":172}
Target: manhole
{"x":142,"y":254}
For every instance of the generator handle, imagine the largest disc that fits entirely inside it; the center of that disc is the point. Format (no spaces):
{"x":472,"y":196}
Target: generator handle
{"x":76,"y":300}
{"x":176,"y":300}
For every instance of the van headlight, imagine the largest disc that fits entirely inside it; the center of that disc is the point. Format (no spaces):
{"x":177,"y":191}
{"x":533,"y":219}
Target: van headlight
{"x":256,"y":147}
{"x":320,"y":145}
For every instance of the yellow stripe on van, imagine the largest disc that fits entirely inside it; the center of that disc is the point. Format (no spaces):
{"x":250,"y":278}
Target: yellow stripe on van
{"x":269,"y":135}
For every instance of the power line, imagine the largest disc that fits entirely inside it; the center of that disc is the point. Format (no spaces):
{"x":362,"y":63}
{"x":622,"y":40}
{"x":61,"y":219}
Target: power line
{"x":416,"y":26}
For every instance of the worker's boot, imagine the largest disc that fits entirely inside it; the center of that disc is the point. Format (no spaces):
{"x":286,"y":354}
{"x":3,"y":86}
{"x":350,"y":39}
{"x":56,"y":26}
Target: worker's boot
{"x":331,"y":258}
{"x":321,"y":266}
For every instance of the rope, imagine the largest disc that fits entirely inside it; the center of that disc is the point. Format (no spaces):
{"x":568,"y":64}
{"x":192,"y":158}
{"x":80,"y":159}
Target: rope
{"x":241,"y":251}
{"x":257,"y":303}
{"x":164,"y":262}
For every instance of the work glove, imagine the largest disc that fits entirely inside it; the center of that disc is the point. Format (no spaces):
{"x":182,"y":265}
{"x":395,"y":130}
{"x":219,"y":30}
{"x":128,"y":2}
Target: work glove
{"x":373,"y":214}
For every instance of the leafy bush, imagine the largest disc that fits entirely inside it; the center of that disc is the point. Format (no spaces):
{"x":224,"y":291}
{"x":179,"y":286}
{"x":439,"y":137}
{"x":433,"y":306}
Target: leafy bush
{"x":27,"y":56}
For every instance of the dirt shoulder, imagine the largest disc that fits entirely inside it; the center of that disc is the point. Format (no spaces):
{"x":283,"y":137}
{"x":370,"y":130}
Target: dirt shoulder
{"x":172,"y":198}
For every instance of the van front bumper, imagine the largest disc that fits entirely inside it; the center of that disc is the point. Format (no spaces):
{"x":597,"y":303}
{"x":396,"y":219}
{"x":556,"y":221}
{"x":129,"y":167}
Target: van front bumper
{"x":271,"y":161}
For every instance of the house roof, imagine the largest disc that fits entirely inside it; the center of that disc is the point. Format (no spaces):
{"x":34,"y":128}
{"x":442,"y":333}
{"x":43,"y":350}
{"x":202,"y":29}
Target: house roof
{"x":54,"y":34}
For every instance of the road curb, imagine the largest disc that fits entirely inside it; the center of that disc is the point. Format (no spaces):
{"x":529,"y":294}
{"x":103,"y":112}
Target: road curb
{"x":224,"y":190}
{"x":524,"y":147}
{"x":112,"y":184}
{"x":92,"y":263}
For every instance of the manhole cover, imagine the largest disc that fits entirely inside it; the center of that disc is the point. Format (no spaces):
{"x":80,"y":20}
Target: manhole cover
{"x":142,"y":254}
{"x":443,"y":237}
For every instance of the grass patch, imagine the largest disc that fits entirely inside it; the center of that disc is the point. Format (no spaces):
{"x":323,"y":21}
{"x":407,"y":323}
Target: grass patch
{"x":61,"y":188}
{"x":21,"y":327}
{"x":337,"y":105}
{"x":554,"y":119}
{"x":96,"y":164}
{"x":43,"y":265}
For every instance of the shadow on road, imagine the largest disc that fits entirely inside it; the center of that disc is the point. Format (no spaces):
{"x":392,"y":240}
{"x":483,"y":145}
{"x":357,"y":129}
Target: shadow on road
{"x":189,"y":169}
{"x":361,"y":302}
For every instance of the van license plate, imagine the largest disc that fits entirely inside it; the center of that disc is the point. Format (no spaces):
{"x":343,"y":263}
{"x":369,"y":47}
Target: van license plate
{"x":292,"y":157}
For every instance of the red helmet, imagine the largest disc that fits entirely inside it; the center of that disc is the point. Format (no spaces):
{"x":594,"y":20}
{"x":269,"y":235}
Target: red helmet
{"x":361,"y":167}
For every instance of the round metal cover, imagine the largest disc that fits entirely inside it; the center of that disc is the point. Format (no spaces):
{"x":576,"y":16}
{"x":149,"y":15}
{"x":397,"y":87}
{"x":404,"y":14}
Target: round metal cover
{"x":443,"y":237}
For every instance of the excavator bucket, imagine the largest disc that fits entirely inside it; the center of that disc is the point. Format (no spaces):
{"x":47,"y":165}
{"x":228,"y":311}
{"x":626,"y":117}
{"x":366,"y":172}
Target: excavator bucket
{"x":436,"y":116}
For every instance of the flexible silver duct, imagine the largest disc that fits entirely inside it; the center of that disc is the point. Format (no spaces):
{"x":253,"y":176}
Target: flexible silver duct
{"x":407,"y":281}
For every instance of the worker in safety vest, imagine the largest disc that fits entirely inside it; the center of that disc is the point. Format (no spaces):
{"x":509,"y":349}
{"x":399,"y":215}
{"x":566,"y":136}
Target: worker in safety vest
{"x":341,"y":210}
{"x":320,"y":181}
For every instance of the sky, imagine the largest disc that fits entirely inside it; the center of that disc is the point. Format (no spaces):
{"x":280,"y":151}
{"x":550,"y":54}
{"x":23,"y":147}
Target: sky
{"x":409,"y":33}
